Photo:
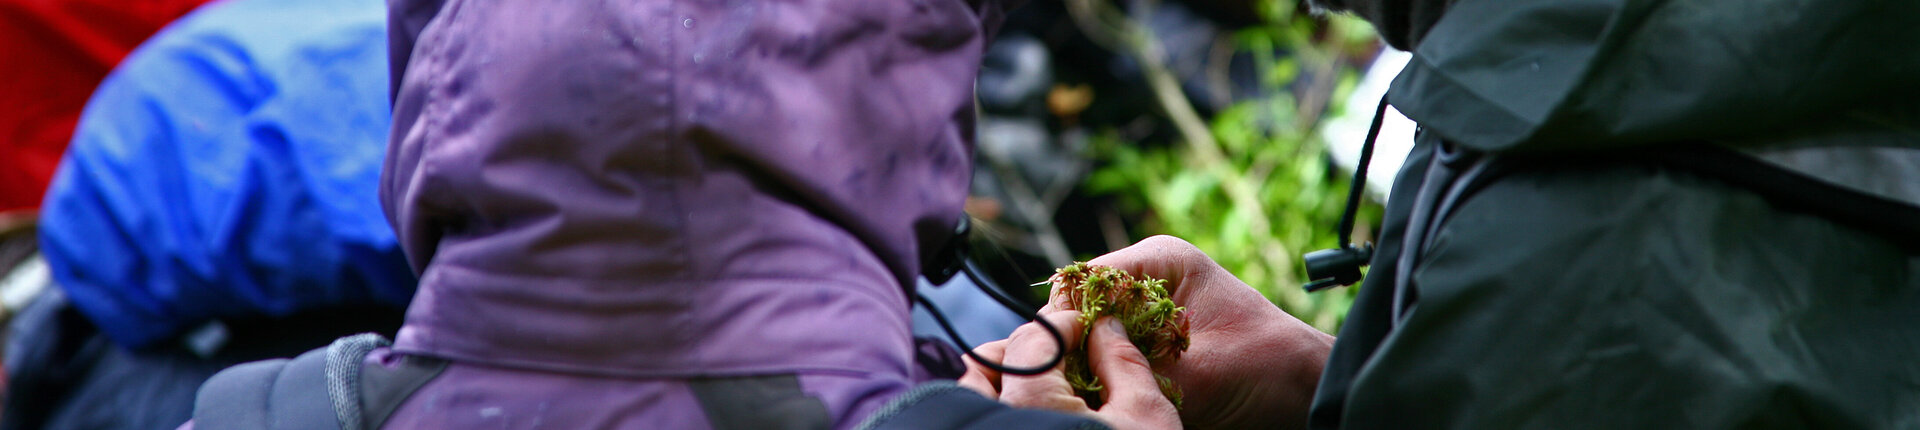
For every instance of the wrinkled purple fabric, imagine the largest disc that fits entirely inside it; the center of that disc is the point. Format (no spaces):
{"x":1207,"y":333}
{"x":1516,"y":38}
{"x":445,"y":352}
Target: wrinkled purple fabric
{"x":469,"y":396}
{"x":636,"y":192}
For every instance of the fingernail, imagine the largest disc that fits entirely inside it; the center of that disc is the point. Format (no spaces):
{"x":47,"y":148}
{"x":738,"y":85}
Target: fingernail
{"x":1113,"y":325}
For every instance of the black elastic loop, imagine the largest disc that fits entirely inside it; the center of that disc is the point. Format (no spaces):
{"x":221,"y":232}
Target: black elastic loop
{"x":1360,"y":176}
{"x":1330,"y":268}
{"x":973,"y":274}
{"x":953,"y":258}
{"x":1059,"y":342}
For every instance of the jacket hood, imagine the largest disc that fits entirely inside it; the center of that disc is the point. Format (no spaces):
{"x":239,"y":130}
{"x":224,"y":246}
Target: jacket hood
{"x":677,"y":188}
{"x":1401,"y":23}
{"x":1543,"y":75}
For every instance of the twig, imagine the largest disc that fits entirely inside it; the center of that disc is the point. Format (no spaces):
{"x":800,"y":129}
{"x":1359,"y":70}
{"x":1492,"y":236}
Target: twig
{"x":1036,"y":211}
{"x":1107,"y":26}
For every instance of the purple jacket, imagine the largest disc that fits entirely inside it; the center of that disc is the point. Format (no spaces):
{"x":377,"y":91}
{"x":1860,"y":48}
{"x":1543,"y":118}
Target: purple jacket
{"x":604,"y":199}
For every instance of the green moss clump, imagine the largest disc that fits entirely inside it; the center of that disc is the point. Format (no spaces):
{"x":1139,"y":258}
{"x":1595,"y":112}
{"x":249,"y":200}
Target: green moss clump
{"x":1154,"y":323}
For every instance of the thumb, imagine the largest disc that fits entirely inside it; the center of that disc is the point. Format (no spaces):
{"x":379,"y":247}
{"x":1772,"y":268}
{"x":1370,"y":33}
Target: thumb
{"x":1131,"y":390}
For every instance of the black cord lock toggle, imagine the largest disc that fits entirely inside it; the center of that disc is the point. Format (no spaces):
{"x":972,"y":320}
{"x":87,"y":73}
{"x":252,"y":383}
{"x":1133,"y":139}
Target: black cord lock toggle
{"x":951,"y":259}
{"x":1328,"y":268}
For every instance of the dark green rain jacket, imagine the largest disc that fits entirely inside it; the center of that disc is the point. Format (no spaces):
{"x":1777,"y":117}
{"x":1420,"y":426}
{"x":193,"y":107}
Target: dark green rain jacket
{"x":1644,"y":214}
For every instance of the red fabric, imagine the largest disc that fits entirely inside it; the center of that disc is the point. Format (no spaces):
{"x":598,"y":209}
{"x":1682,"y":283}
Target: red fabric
{"x":52,"y":54}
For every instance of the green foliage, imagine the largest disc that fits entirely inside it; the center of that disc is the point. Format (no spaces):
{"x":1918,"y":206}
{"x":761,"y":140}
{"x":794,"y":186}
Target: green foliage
{"x":1270,"y":146}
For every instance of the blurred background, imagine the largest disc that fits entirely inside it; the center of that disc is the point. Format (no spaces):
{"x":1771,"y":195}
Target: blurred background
{"x":1104,"y":122}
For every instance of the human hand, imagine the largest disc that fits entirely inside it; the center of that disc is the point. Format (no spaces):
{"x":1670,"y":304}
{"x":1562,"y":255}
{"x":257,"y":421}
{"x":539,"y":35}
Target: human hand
{"x":1131,"y":400}
{"x":1249,"y":365}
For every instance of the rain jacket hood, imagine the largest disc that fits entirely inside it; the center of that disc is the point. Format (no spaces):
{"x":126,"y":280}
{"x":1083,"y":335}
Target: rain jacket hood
{"x":1537,"y":75}
{"x":677,"y":189}
{"x":1401,"y":23}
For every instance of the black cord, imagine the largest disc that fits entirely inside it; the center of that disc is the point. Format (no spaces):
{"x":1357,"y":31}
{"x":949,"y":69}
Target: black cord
{"x":1360,"y":176}
{"x":1328,"y":268}
{"x":955,"y":254}
{"x":1059,"y":343}
{"x":973,"y":274}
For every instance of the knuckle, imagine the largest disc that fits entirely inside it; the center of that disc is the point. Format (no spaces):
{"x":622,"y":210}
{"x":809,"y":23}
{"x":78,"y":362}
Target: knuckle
{"x":1023,"y":334}
{"x":1124,"y":353}
{"x":1117,"y":350}
{"x":1159,"y":238}
{"x":1061,"y":318}
{"x":1027,"y":341}
{"x":1162,"y":241}
{"x":991,"y":349}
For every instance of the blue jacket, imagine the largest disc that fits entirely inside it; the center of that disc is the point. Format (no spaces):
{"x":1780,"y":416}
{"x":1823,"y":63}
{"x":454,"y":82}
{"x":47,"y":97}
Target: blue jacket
{"x":228,"y":169}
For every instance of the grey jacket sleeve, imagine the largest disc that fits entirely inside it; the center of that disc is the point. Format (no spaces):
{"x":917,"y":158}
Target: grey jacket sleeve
{"x":944,"y":405}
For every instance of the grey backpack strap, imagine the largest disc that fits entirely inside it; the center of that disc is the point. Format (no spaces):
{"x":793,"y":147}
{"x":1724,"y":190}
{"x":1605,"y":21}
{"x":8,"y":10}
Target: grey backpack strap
{"x":279,"y":394}
{"x":382,"y":388}
{"x":326,"y":388}
{"x":343,"y":376}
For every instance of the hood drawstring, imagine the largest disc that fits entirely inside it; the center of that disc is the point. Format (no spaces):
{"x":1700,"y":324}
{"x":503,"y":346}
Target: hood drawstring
{"x":952,"y":259}
{"x":1328,"y":268}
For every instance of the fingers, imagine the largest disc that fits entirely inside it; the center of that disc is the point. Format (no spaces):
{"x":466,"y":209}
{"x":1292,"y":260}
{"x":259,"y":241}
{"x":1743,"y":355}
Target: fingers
{"x":1030,"y":346}
{"x":1132,"y":396}
{"x":1160,"y":256}
{"x":1133,"y":393}
{"x":1193,"y":280}
{"x":1163,"y":257}
{"x":979,"y":378}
